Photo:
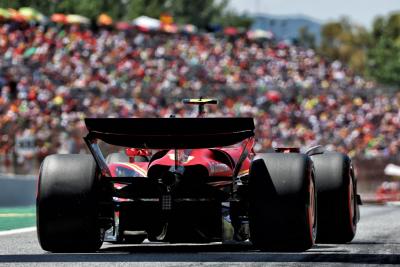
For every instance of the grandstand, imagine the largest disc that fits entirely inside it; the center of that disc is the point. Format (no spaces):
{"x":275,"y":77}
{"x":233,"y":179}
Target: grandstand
{"x":52,"y":76}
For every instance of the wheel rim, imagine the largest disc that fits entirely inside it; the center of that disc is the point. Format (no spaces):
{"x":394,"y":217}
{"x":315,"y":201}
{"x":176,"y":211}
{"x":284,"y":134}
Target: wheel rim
{"x":311,"y":211}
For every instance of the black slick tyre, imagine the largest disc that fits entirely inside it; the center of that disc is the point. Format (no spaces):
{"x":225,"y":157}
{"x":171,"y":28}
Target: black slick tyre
{"x":282,"y":202}
{"x":67,"y":204}
{"x":338,"y":211}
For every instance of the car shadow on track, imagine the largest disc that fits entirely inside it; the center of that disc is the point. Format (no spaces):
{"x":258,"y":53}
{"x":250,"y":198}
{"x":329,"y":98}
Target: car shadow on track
{"x":206,"y":253}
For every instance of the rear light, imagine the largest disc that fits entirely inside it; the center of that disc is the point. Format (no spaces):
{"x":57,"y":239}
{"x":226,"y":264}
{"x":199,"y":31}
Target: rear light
{"x":119,"y":186}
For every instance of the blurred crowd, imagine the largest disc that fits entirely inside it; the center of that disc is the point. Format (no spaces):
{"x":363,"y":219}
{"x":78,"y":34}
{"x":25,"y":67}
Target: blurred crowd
{"x":52,"y":77}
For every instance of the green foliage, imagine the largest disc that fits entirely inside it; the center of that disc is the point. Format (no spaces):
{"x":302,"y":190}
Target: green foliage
{"x":375,"y":53}
{"x":384,"y":56}
{"x":306,"y":38}
{"x":378,"y":28}
{"x":230,"y":18}
{"x":200,"y":13}
{"x":347,"y":42}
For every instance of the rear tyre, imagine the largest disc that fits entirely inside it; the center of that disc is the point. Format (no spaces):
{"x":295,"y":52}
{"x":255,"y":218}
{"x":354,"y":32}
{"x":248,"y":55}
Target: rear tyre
{"x":122,"y":157}
{"x":67,"y":204}
{"x":282,"y":202}
{"x":338,"y":211}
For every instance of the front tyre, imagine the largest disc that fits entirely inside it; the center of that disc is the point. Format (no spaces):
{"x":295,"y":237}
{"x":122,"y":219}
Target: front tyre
{"x":282,"y":202}
{"x":67,"y":204}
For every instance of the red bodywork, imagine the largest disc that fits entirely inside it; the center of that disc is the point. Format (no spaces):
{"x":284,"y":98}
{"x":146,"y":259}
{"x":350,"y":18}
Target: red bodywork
{"x":214,"y":162}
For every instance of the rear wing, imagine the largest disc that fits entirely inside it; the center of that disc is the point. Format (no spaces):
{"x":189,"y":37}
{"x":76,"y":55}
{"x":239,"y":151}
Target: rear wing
{"x":170,"y":133}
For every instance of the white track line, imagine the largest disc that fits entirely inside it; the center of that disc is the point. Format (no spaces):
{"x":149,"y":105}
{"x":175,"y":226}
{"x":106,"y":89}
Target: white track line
{"x":18,"y":231}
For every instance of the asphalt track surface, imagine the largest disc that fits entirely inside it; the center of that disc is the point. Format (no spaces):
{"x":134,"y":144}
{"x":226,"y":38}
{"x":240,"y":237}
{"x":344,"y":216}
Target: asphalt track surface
{"x":377,"y":242}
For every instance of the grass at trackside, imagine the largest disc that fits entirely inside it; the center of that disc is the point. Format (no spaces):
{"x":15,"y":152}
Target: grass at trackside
{"x":17,"y":217}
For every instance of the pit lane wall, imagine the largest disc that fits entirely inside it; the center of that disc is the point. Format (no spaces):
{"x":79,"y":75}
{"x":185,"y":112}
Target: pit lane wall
{"x":17,"y":190}
{"x":370,"y":173}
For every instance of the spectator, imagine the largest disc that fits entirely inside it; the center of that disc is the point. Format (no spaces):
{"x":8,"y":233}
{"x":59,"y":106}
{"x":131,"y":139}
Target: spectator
{"x":51,"y":78}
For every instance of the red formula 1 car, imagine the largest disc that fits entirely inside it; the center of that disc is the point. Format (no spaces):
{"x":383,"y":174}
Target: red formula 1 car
{"x":193,"y":180}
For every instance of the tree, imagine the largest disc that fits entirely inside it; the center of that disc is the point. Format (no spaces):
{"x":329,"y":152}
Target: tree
{"x":199,"y":13}
{"x":306,"y":38}
{"x":347,"y":42}
{"x":230,"y":18}
{"x":384,"y":55}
